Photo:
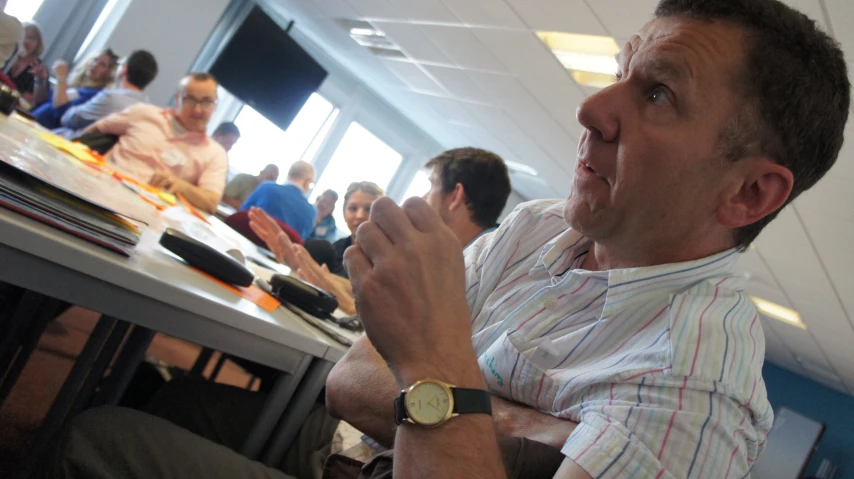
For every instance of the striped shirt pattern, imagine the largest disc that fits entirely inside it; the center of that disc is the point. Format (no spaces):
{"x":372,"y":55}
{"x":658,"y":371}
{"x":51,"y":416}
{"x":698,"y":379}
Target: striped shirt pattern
{"x":660,"y":366}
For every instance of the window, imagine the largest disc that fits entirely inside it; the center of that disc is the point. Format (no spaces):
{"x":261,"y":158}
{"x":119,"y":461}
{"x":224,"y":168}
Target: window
{"x":360,"y":156}
{"x":23,"y":10}
{"x":419,"y":186}
{"x":262,"y":142}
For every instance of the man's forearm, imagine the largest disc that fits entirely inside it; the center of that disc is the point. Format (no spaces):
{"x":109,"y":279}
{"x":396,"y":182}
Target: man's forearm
{"x":200,"y":197}
{"x":361,"y":390}
{"x":465,"y":446}
{"x":233,"y":202}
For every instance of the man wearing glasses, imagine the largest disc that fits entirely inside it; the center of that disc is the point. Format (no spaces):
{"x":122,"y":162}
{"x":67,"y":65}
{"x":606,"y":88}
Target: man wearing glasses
{"x":168,"y":147}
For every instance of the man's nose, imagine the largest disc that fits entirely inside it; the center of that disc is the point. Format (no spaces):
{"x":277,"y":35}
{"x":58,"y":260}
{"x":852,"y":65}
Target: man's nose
{"x":600,"y":113}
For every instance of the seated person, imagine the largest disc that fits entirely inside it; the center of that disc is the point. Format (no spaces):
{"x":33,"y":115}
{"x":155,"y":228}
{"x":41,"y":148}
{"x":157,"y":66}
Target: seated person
{"x":135,"y":73}
{"x":227,"y":134}
{"x":29,"y":68}
{"x":615,"y":311}
{"x":237,"y":190}
{"x":288,"y":203}
{"x":469,"y":188}
{"x":168,"y":148}
{"x":87,"y":81}
{"x":324,"y":224}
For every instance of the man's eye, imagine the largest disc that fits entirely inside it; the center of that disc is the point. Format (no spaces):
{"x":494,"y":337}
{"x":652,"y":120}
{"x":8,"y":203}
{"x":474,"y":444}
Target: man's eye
{"x":658,"y":94}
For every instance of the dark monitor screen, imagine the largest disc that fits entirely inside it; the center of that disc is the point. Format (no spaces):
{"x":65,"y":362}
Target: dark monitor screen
{"x":264,"y":67}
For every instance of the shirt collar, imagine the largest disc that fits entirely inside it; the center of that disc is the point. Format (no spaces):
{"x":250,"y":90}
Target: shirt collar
{"x":485,"y":231}
{"x":304,"y":194}
{"x":630,"y":285}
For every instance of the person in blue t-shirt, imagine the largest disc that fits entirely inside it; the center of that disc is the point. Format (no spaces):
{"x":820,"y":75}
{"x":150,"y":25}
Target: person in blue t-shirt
{"x":287,"y":202}
{"x":324,"y":225}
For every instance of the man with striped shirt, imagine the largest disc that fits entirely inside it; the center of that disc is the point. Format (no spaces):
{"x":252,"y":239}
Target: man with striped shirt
{"x":627,"y":324}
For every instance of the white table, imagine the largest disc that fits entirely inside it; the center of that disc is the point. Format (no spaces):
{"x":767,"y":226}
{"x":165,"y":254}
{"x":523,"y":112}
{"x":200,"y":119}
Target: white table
{"x":155,"y":291}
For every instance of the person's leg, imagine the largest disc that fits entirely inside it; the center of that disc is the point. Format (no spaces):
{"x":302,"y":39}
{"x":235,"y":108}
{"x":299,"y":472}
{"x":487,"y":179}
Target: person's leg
{"x":225,"y":415}
{"x":113,"y":442}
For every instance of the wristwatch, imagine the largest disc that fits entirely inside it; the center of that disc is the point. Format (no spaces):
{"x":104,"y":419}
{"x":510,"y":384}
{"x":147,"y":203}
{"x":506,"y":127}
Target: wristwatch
{"x":430,"y":403}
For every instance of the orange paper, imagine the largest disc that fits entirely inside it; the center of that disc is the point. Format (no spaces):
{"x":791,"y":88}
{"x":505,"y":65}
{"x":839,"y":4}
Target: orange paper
{"x":253,"y":293}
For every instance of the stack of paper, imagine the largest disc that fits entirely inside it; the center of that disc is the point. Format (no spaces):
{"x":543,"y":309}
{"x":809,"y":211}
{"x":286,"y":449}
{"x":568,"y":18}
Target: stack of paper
{"x":39,"y":181}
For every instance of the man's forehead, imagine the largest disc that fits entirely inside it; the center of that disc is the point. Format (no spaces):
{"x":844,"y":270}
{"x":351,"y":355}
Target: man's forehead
{"x":201,"y":88}
{"x":686,"y":40}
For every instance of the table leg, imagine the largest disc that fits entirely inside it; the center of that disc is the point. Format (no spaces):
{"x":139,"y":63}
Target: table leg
{"x":96,"y":373}
{"x":198,"y":368}
{"x":8,"y":377}
{"x":218,"y":366}
{"x":124,"y":367}
{"x":61,"y":407}
{"x":305,"y":397}
{"x":274,"y":406}
{"x":16,"y":328}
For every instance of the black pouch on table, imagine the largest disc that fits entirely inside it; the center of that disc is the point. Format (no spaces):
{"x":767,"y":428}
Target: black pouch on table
{"x":97,"y":141}
{"x":304,"y":296}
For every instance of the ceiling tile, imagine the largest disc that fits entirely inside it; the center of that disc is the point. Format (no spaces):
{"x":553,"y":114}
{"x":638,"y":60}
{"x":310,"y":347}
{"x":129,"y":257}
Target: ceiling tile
{"x":623,"y":19}
{"x":426,"y":11}
{"x":485,"y":13}
{"x":451,"y":111}
{"x":410,"y":39}
{"x":457,"y":84}
{"x":810,"y":8}
{"x":334,"y":9}
{"x":571,"y":16}
{"x":833,"y":241}
{"x":377,"y":9}
{"x":521,"y":53}
{"x":842,"y":21}
{"x":560,"y":97}
{"x":414,"y":77}
{"x":463,"y":48}
{"x":830,"y":197}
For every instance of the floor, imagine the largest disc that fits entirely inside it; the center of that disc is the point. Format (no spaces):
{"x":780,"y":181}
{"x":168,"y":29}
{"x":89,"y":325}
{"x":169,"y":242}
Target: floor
{"x":50,"y":363}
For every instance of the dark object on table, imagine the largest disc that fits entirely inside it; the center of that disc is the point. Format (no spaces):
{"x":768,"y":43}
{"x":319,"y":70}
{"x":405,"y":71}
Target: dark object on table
{"x":350,"y":323}
{"x":25,"y":114}
{"x":219,"y":265}
{"x":304,"y":296}
{"x":97,"y":141}
{"x":8,"y":100}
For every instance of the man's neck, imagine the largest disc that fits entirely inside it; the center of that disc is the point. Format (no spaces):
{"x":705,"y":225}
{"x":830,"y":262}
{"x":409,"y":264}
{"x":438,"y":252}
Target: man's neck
{"x":466,"y":232}
{"x":602,"y":257}
{"x":129,"y":86}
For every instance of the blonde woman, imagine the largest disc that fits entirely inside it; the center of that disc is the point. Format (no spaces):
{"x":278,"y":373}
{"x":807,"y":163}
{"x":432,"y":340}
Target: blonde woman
{"x":28,"y":69}
{"x":73,"y":88}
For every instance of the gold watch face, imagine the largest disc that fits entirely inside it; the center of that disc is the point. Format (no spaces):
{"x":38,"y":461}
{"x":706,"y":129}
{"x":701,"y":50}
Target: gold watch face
{"x":429,"y":403}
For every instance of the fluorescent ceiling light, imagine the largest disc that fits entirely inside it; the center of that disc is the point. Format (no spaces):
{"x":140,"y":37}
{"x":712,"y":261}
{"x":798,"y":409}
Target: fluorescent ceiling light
{"x":778,"y":312}
{"x":590,"y":58}
{"x":520,"y":168}
{"x":366,"y":32}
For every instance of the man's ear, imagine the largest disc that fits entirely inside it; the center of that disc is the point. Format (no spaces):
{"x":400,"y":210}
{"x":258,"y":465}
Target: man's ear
{"x":763,"y":188}
{"x":457,"y":198}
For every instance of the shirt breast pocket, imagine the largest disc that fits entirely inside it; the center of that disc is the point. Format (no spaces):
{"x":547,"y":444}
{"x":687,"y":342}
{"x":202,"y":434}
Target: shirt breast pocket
{"x":510,"y":374}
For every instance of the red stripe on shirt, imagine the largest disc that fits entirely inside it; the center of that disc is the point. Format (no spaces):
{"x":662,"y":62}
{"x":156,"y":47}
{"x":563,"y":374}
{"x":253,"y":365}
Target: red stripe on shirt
{"x":752,"y":356}
{"x":646,"y":372}
{"x":731,"y":457}
{"x":667,"y":434}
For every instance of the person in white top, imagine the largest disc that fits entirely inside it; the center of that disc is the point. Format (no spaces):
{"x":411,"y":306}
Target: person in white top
{"x":11,"y":33}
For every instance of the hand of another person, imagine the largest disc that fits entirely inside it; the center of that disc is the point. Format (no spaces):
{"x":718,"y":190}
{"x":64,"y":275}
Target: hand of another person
{"x":39,"y":70}
{"x":311,"y":272}
{"x":273,"y":236}
{"x":167,"y":181}
{"x":407,"y":272}
{"x":60,"y":71}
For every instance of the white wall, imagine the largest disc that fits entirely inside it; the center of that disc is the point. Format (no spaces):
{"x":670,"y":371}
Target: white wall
{"x":173,"y":30}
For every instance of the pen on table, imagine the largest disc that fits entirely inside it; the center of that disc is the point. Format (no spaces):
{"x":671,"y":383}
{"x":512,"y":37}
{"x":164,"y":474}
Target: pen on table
{"x":193,"y":211}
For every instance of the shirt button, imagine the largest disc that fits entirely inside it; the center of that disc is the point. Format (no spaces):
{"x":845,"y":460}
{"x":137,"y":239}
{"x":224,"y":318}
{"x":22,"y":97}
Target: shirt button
{"x":550,"y":303}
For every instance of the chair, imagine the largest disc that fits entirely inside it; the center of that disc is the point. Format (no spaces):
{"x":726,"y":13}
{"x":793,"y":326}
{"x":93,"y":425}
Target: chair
{"x":240,"y":222}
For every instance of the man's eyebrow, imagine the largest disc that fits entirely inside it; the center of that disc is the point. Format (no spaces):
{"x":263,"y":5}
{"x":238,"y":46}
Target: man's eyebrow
{"x":670,"y":68}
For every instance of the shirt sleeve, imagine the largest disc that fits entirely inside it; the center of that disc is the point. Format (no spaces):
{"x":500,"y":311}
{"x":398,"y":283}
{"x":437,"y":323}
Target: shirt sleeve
{"x":117,"y":123}
{"x":659,"y":429}
{"x":80,"y":116}
{"x":214,"y":175}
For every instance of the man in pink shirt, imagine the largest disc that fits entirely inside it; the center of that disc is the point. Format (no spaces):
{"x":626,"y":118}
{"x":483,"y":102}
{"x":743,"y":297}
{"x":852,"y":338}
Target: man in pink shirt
{"x":168,"y":148}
